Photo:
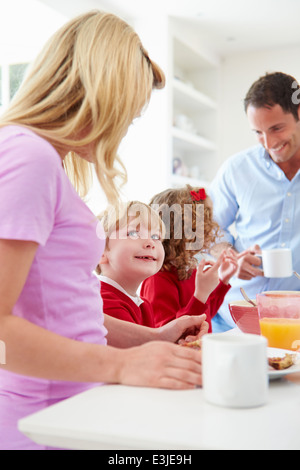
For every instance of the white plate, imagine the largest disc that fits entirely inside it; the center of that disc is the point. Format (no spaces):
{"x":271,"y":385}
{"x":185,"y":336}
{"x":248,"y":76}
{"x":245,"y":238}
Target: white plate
{"x":277,"y":374}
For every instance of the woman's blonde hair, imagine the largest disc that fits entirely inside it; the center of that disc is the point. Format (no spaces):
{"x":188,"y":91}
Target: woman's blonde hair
{"x":177,"y":237}
{"x":92,"y":78}
{"x":115,"y":217}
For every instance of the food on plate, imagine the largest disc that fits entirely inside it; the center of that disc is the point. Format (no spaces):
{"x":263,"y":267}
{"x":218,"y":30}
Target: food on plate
{"x":281,"y":363}
{"x":193,"y":344}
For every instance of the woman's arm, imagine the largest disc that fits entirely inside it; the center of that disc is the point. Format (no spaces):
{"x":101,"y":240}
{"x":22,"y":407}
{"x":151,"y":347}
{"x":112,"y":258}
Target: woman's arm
{"x":122,"y":334}
{"x":32,"y":350}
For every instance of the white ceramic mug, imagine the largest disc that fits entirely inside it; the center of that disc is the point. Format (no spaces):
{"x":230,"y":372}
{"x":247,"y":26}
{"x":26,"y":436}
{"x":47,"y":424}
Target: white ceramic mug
{"x":277,"y":262}
{"x":235,"y":370}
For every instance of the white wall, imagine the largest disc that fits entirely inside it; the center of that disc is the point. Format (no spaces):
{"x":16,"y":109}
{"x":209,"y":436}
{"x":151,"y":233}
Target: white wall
{"x":144,"y":149}
{"x":238,"y":72}
{"x":24,"y":28}
{"x":143,"y":153}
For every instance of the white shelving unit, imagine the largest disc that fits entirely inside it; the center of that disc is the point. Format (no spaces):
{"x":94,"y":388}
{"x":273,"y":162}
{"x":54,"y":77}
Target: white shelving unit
{"x":155,"y":141}
{"x":190,"y":98}
{"x":190,"y":141}
{"x":194,"y":114}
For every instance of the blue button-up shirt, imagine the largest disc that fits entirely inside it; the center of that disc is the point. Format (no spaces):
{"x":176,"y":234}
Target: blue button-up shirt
{"x":253,"y":193}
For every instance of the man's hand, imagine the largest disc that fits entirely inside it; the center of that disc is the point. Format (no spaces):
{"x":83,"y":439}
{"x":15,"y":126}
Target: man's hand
{"x":248,"y":263}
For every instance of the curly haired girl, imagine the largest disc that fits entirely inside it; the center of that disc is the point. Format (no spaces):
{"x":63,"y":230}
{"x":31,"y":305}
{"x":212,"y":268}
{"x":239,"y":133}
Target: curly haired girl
{"x":183,"y":283}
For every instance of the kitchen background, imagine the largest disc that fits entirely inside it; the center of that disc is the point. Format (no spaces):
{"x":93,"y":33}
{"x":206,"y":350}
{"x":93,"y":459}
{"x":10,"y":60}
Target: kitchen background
{"x":211,"y":53}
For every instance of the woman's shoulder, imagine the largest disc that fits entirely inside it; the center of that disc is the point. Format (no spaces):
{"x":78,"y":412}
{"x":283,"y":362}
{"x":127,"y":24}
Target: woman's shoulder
{"x":23,"y":147}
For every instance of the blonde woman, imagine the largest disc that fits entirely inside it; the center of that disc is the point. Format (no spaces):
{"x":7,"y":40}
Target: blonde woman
{"x":74,"y":106}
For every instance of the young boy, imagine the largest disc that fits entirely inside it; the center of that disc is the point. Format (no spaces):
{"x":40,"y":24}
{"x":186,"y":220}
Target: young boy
{"x":134,"y":252}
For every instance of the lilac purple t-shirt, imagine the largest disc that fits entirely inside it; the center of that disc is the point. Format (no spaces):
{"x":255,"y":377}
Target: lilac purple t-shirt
{"x":38,"y":203}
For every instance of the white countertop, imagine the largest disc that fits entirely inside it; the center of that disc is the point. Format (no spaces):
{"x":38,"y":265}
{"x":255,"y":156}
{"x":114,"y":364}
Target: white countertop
{"x":120,"y":417}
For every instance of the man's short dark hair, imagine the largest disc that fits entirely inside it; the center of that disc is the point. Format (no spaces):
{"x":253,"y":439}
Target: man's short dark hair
{"x":271,"y":89}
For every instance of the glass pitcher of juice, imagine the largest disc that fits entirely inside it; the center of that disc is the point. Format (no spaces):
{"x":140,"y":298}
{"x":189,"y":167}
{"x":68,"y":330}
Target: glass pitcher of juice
{"x":279,"y":318}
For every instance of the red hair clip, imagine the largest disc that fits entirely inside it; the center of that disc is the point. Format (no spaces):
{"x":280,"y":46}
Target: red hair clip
{"x":198,"y":196}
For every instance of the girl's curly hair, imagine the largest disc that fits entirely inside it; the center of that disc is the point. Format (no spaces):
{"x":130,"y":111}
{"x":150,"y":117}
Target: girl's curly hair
{"x":176,"y":254}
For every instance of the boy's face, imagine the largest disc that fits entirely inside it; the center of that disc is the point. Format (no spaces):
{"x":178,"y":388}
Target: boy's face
{"x":134,"y":253}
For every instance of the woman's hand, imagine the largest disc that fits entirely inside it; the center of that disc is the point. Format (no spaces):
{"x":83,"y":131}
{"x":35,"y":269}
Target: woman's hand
{"x":162,"y":365}
{"x":185,"y":328}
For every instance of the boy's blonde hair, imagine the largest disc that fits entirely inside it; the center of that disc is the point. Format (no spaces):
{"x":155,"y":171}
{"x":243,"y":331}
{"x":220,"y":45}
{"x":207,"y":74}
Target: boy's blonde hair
{"x":115,"y":217}
{"x":176,"y":254}
{"x":92,"y":78}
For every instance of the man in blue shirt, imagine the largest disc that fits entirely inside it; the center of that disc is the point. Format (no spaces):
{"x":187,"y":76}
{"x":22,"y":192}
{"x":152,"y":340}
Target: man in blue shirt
{"x":258,"y":190}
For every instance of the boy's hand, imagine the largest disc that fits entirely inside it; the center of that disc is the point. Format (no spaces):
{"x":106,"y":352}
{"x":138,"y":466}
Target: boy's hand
{"x":184,"y":329}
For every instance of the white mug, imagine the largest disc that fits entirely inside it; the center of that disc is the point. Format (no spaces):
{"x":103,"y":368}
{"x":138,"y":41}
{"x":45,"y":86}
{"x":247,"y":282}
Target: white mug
{"x":277,"y":262}
{"x":235,"y":370}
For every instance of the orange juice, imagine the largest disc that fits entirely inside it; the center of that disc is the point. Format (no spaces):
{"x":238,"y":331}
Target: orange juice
{"x":283,"y":333}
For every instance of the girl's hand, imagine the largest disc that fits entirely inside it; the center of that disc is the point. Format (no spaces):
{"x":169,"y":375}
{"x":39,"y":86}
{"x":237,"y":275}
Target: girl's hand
{"x":229,"y":266}
{"x":207,"y":278}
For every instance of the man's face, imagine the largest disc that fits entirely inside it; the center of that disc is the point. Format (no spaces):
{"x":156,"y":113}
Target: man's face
{"x":277,"y":131}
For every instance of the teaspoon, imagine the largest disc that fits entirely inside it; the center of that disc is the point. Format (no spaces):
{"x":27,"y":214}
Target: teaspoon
{"x":247,"y":298}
